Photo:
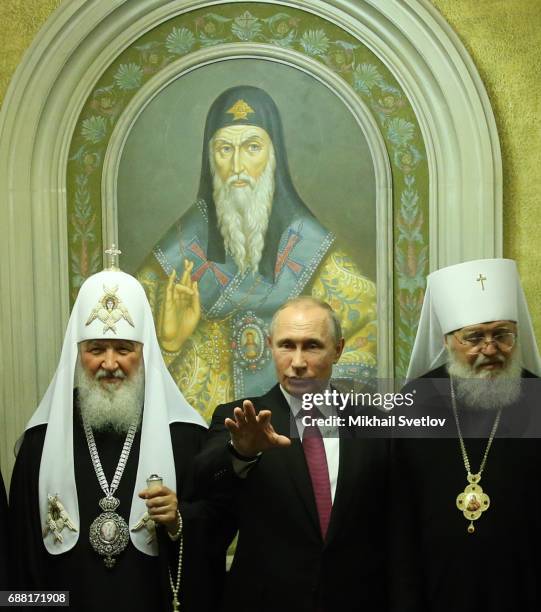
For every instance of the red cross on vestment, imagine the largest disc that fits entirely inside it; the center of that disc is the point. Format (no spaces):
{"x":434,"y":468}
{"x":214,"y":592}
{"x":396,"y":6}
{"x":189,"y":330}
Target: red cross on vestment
{"x":283,"y":257}
{"x":220,"y":276}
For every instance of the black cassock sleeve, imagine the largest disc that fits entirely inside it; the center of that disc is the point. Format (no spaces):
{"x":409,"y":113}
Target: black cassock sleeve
{"x":27,"y":563}
{"x":206,"y":529}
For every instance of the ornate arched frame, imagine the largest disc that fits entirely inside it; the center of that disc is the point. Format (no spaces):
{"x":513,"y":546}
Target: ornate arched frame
{"x":77,"y":47}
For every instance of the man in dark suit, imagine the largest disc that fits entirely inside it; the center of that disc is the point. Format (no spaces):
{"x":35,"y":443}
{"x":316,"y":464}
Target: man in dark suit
{"x":309,"y":508}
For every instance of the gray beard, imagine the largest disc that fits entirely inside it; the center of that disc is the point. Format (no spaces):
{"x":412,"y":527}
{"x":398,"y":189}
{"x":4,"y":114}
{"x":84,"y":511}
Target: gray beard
{"x":116,"y":408}
{"x":243,"y":214}
{"x":485,"y":390}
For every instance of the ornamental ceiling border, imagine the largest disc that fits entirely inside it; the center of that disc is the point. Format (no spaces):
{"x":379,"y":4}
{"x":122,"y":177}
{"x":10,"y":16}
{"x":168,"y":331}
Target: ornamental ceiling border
{"x":71,"y":53}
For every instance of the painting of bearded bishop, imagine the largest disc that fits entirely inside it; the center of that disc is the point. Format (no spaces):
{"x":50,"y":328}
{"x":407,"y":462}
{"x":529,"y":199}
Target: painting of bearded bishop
{"x":245,"y":246}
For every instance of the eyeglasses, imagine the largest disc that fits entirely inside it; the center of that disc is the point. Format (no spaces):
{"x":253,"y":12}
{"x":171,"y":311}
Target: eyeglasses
{"x":475,"y":341}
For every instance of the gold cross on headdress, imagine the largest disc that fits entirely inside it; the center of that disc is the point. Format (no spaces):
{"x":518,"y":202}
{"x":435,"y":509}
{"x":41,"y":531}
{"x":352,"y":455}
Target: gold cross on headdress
{"x":240,"y":110}
{"x":112,"y":257}
{"x":481,"y":280}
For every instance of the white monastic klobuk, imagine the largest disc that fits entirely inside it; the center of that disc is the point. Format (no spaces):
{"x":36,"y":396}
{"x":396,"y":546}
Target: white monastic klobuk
{"x":110,"y":305}
{"x":467,"y":294}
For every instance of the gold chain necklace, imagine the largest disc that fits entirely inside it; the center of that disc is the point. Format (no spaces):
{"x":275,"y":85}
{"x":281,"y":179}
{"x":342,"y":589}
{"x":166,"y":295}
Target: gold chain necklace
{"x":472,"y":502}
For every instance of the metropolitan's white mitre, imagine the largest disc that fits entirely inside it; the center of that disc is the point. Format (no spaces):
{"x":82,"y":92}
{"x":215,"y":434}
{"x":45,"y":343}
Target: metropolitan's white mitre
{"x":467,"y":294}
{"x":474,"y":292}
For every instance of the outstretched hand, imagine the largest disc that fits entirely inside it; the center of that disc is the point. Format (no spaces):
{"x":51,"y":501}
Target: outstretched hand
{"x":253,"y":433}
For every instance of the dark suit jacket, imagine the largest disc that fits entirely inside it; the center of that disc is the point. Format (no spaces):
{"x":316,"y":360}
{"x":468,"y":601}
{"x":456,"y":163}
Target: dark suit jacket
{"x":281,"y":562}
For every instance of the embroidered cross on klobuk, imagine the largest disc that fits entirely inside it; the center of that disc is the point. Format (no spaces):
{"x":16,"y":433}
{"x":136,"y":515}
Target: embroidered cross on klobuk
{"x":481,"y":279}
{"x":222,"y":277}
{"x":283,"y":256}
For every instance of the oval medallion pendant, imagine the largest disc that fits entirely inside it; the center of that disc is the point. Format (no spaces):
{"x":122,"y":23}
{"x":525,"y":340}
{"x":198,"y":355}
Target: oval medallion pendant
{"x":109,"y":534}
{"x":473,"y":501}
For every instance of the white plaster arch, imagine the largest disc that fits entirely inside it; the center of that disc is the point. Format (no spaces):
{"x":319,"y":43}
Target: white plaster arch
{"x":57,"y":74}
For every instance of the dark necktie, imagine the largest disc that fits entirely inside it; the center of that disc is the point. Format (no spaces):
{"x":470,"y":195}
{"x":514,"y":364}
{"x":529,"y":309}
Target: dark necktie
{"x":316,"y":459}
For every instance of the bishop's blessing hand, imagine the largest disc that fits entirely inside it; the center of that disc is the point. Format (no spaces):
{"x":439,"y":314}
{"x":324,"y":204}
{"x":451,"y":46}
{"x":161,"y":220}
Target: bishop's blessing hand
{"x":181,"y":309}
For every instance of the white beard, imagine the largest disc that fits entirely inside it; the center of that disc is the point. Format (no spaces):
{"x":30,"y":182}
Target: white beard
{"x":486,"y":389}
{"x":114,"y":407}
{"x":243,"y":213}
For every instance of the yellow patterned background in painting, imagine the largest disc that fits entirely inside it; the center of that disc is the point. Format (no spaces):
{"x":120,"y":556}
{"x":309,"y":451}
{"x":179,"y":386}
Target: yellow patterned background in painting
{"x":503,"y":39}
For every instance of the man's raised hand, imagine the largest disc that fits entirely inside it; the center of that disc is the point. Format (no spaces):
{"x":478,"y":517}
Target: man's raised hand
{"x":253,"y":433}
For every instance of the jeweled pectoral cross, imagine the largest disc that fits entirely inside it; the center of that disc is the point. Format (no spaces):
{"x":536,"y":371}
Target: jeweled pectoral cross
{"x":112,"y":257}
{"x":481,"y":280}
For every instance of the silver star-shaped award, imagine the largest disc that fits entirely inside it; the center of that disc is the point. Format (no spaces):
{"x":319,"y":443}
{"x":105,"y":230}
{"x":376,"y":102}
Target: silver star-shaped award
{"x":57,"y":519}
{"x":146,"y":522}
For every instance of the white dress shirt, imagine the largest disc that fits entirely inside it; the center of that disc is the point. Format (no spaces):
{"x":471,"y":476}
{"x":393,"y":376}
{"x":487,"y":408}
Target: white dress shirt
{"x":331,"y":441}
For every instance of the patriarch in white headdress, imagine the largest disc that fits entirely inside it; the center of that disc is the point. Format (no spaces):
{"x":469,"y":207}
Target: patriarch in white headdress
{"x":111,"y":305}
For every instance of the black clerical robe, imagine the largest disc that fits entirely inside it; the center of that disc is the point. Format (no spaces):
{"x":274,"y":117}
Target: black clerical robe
{"x":4,"y":558}
{"x":435,"y":564}
{"x":137,"y":582}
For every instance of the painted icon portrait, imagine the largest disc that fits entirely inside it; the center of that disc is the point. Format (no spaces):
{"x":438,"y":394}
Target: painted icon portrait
{"x":241,"y":185}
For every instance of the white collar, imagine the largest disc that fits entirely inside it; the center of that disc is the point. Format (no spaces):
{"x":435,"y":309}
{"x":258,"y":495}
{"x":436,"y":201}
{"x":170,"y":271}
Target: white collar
{"x":295,"y":403}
